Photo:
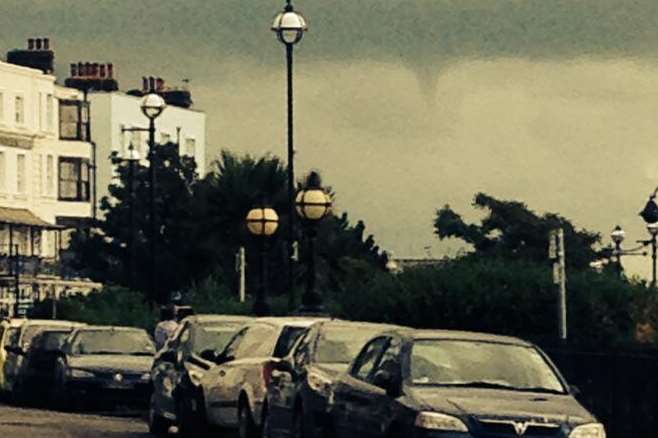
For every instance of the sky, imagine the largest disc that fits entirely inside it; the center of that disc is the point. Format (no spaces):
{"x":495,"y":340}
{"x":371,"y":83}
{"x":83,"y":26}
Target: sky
{"x":405,"y":106}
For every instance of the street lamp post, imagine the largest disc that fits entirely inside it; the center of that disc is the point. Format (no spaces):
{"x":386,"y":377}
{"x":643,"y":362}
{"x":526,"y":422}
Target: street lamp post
{"x":617,"y":235}
{"x":313,"y":204}
{"x":650,"y":216}
{"x":262,"y":222}
{"x":289,"y":27}
{"x":653,"y":231}
{"x":152,"y":106}
{"x":132,"y":158}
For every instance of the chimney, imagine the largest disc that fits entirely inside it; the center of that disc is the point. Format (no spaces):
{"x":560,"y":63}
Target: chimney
{"x":102,"y":71}
{"x":37,"y":55}
{"x":145,"y":84}
{"x":74,"y":70}
{"x":92,"y":76}
{"x":151,"y":84}
{"x":159,"y":84}
{"x":110,"y":70}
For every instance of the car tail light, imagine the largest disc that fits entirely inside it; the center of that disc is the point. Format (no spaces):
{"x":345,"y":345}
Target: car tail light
{"x":268,"y":367}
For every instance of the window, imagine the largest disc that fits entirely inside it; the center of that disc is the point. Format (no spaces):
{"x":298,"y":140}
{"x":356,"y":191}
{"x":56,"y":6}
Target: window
{"x":73,"y":120}
{"x":190,"y":147}
{"x":3,"y":172}
{"x":19,"y":107}
{"x":73,"y":179}
{"x":21,"y":178}
{"x":50,"y":175}
{"x":50,"y":112}
{"x":368,"y":358}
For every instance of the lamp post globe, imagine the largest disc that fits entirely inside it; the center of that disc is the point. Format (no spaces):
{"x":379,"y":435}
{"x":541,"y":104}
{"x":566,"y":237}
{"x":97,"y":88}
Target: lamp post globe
{"x":653,"y":229}
{"x":312,"y":204}
{"x":262,"y":223}
{"x":153,"y":105}
{"x":289,"y":25}
{"x":617,"y":235}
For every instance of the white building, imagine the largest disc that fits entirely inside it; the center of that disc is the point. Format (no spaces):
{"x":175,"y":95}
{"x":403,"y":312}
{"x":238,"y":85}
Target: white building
{"x":44,"y":177}
{"x":114,"y":112}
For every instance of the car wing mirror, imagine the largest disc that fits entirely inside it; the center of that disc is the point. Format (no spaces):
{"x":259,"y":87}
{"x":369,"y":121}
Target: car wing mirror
{"x":285,"y":366}
{"x":223,"y":358}
{"x":208,"y":355}
{"x":388,"y":382}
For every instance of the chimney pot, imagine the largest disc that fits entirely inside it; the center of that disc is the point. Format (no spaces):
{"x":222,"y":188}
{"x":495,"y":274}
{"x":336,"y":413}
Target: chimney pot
{"x":151,"y":84}
{"x":102,"y":71}
{"x":38,"y":43}
{"x":74,"y":70}
{"x":94,"y":69}
{"x":30,"y":44}
{"x":80,"y":69}
{"x":145,"y":84}
{"x":87,"y":68}
{"x":159,"y":84}
{"x":110,"y":70}
{"x":46,"y":44}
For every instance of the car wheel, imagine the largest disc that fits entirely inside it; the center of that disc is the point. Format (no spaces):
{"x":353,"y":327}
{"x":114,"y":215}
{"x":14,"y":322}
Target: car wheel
{"x":158,"y":425}
{"x":191,"y":416}
{"x":246,"y":426}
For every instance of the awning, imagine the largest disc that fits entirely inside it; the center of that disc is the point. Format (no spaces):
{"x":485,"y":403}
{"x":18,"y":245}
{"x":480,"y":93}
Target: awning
{"x":24,"y":217}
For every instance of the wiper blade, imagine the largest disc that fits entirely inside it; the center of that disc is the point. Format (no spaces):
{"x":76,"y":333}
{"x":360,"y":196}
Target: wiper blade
{"x":541,"y":389}
{"x":499,"y":385}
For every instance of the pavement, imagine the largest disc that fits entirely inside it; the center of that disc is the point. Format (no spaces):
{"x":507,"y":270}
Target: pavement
{"x":39,"y":423}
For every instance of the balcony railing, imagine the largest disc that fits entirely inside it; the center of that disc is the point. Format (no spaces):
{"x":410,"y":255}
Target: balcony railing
{"x":34,"y":266}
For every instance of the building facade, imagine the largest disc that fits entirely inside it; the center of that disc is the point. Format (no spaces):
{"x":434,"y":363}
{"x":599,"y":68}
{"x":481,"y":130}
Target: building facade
{"x":44,"y":182}
{"x":112,"y":113}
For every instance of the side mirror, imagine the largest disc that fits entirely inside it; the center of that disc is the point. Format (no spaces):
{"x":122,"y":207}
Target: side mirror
{"x":208,"y":355}
{"x":223,"y":358}
{"x":388,"y":382}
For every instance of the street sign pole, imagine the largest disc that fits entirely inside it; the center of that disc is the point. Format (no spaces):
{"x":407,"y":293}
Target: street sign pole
{"x":557,"y":254}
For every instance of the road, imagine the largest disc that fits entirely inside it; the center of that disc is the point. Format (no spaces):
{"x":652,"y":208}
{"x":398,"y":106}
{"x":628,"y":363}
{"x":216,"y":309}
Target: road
{"x":38,"y":423}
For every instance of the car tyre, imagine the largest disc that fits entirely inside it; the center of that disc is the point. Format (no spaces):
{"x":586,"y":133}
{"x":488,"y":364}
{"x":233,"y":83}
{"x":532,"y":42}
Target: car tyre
{"x":61,"y":397}
{"x":246,"y":426}
{"x":158,"y":425}
{"x":265,"y":428}
{"x":298,"y":424}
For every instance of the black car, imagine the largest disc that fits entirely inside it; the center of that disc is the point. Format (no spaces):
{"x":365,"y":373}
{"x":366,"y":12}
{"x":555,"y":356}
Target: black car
{"x":104,"y":365}
{"x":445,"y":384}
{"x":39,"y":367}
{"x":179,"y":366}
{"x":296,"y":403}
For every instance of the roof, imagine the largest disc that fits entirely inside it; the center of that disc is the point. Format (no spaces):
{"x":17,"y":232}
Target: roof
{"x":209,"y":318}
{"x":23,"y":216}
{"x":462,"y":336}
{"x":295,"y":321}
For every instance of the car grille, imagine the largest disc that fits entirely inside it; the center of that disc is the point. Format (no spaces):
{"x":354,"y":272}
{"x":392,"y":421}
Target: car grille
{"x":490,"y":428}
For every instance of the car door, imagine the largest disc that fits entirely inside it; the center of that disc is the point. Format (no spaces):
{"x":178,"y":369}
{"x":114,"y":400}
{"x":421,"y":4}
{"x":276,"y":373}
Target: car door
{"x":284,"y":390}
{"x":164,"y":374}
{"x":349,"y":393}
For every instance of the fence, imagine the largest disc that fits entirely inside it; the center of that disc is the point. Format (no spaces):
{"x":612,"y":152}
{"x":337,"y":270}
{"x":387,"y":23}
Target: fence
{"x":620,"y":387}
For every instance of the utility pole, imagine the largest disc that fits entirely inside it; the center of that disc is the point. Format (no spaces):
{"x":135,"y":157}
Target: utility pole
{"x":17,"y":279}
{"x":240,"y":267}
{"x":556,"y":253}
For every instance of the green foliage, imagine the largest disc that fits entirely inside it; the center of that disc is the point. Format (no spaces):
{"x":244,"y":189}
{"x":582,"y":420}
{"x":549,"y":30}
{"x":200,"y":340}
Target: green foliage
{"x":512,"y":297}
{"x":510,"y":230}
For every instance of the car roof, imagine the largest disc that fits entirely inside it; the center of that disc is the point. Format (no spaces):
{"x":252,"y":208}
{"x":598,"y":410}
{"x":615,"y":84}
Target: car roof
{"x":50,"y":323}
{"x":357,"y":324}
{"x":107,"y":328}
{"x":208,"y":318}
{"x":417,"y":334}
{"x":292,"y":321}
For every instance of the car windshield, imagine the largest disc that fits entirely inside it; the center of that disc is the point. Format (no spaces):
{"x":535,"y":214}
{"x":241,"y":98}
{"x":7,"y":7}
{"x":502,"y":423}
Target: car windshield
{"x":481,"y":364}
{"x":33,"y":330}
{"x":113,"y":342}
{"x":213,"y":337}
{"x":341,"y":344}
{"x":51,"y":341}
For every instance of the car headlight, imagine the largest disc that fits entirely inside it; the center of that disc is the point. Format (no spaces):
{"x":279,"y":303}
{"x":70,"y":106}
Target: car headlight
{"x":593,"y":430}
{"x":195,"y":377}
{"x":81,"y":374}
{"x":443,"y":422}
{"x":319,"y":383}
{"x":146,"y":377}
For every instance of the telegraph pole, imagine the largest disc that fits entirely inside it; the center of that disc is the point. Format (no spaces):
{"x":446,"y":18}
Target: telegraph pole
{"x":556,"y":253}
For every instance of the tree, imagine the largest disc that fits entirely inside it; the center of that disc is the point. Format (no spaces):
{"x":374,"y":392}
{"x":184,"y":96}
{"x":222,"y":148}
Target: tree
{"x":510,"y":230}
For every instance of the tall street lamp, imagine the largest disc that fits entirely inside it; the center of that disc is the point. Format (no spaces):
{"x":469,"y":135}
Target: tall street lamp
{"x":132,"y":158}
{"x":289,"y":27}
{"x":152,"y":106}
{"x":313,"y":204}
{"x":650,"y":216}
{"x":617,"y":235}
{"x":262,"y":222}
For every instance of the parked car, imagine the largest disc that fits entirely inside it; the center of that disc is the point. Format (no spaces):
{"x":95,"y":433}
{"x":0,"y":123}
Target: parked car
{"x":104,"y":364}
{"x":19,"y":344}
{"x":232,"y":393}
{"x":418,"y":383}
{"x":39,"y":365}
{"x":296,"y":403}
{"x":9,"y":330}
{"x":180,"y":365}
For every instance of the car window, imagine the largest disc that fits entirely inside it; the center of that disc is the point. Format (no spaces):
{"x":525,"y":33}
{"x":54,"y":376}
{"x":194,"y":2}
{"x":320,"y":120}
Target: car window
{"x":12,"y":336}
{"x":390,"y":358}
{"x":302,"y":349}
{"x":368,"y":358}
{"x":128,"y":342}
{"x":289,"y":335}
{"x":212,"y":337}
{"x":184,"y":340}
{"x":339,"y":344}
{"x":235,"y":342}
{"x":257,"y":342}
